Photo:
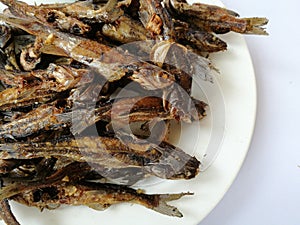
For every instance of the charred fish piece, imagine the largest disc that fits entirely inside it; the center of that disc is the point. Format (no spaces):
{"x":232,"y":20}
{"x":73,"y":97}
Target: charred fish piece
{"x":128,"y":175}
{"x":6,"y":166}
{"x":177,"y":164}
{"x":29,"y":170}
{"x":65,"y":76}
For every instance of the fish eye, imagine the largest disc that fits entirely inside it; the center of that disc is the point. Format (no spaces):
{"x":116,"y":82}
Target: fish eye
{"x":76,"y":29}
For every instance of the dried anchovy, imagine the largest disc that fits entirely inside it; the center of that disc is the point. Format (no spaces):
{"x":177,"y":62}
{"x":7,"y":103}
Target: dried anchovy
{"x":122,"y":111}
{"x":204,"y":41}
{"x":217,"y":19}
{"x":198,"y":39}
{"x":126,"y":30}
{"x":68,"y":188}
{"x":64,"y":138}
{"x":143,"y":69}
{"x":111,"y":63}
{"x":97,"y":196}
{"x":163,"y":160}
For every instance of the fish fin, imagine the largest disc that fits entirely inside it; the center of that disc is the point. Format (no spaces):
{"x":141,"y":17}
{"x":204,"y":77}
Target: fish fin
{"x":255,"y":25}
{"x":164,"y":208}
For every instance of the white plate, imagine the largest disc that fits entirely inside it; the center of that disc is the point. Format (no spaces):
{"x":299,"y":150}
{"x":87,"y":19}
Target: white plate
{"x":238,"y":95}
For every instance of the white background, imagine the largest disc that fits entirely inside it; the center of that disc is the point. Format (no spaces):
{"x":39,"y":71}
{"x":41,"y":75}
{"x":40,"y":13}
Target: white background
{"x":267,"y":189}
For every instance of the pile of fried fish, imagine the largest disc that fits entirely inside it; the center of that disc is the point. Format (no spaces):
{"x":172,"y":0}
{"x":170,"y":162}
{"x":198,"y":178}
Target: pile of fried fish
{"x":64,"y":136}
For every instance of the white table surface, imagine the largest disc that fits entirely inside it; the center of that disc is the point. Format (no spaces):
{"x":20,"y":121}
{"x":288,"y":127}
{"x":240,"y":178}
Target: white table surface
{"x":267,"y":189}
